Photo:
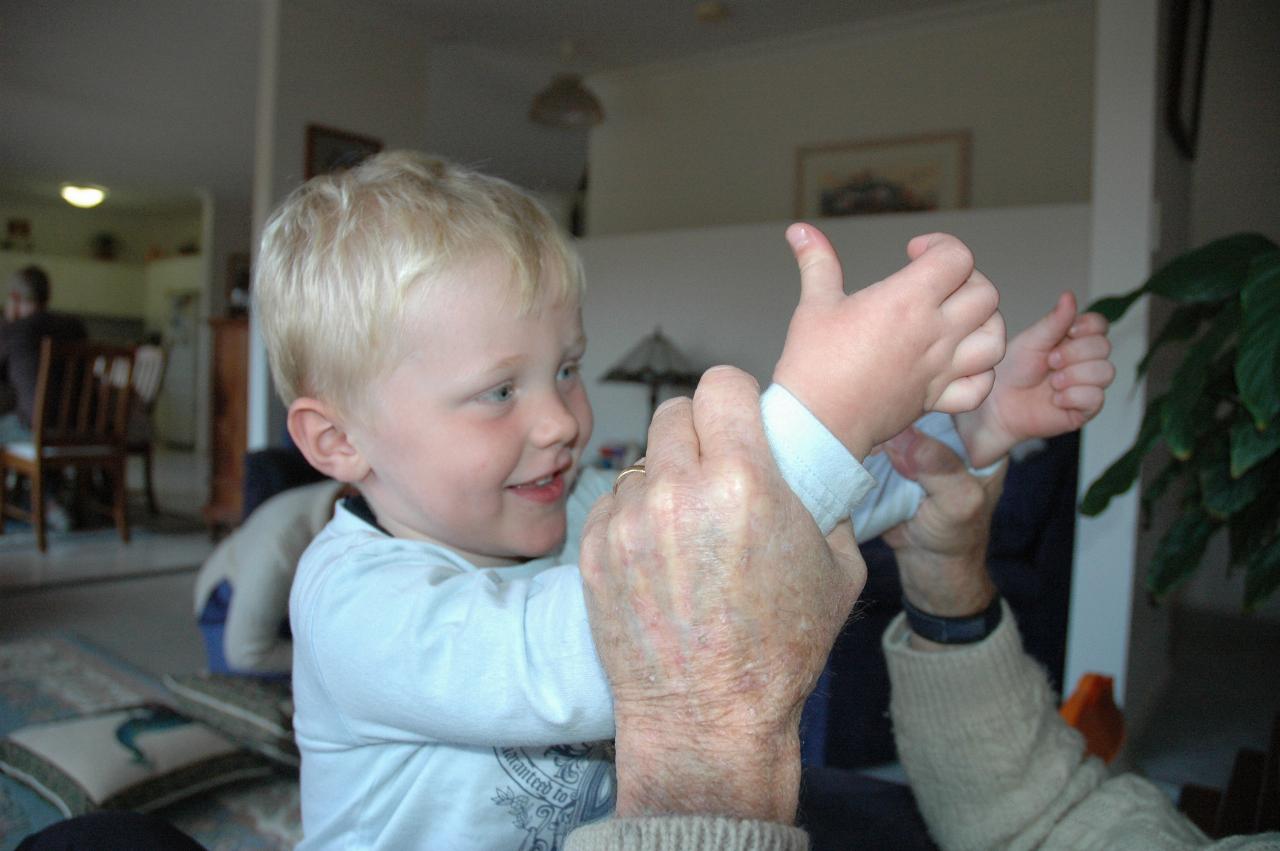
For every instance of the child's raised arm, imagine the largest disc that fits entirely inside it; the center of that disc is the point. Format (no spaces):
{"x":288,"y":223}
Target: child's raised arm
{"x":1050,"y":382}
{"x":867,"y":364}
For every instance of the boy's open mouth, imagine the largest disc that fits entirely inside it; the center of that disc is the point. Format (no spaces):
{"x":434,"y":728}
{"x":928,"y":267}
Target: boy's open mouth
{"x":548,"y":488}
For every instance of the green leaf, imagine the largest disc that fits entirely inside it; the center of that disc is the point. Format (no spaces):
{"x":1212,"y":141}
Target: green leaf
{"x":1249,"y":529}
{"x":1119,"y":477}
{"x":1221,"y":493}
{"x":1114,"y":306}
{"x":1262,"y":575}
{"x":1178,"y":554}
{"x":1213,"y":272}
{"x":1158,"y":486}
{"x":1250,"y":445}
{"x":1179,"y":422}
{"x":1258,"y":365}
{"x":1181,"y":325}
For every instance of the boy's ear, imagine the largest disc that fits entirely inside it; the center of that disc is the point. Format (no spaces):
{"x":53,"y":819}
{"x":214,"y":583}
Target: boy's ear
{"x":324,"y":441}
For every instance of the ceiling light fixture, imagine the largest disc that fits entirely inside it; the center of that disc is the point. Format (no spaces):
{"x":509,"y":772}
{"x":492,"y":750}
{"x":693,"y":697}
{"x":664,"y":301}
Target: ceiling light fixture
{"x":83,"y":196}
{"x":710,"y":12}
{"x":566,"y":103}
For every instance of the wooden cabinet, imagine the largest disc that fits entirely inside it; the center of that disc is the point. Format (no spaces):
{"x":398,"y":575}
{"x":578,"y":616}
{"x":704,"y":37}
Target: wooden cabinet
{"x":228,"y":436}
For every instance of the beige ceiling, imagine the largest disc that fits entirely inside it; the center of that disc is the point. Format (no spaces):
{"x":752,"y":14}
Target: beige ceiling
{"x":609,"y":34}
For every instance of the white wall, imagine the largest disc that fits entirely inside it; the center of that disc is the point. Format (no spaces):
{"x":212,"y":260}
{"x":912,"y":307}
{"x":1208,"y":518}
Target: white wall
{"x":714,"y":142}
{"x":163,"y":280}
{"x":725,"y":295}
{"x":363,"y":73}
{"x":59,"y":228}
{"x":478,"y":113}
{"x":115,"y":288}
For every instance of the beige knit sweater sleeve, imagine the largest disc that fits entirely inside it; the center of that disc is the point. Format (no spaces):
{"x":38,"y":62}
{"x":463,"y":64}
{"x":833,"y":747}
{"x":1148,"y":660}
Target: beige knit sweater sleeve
{"x":994,"y":766}
{"x":694,"y":833}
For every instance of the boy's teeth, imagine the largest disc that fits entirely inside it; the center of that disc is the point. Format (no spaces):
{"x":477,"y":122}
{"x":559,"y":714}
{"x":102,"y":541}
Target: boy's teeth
{"x":539,"y":483}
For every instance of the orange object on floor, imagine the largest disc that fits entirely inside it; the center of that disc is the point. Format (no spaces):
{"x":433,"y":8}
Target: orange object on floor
{"x":1092,"y":710}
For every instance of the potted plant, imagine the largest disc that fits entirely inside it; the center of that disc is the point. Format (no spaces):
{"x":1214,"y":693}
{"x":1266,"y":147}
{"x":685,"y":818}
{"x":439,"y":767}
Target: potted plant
{"x":1218,"y":418}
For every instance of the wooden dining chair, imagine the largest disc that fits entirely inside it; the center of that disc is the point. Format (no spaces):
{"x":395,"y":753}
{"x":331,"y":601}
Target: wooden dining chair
{"x":148,"y":376}
{"x":80,"y":422}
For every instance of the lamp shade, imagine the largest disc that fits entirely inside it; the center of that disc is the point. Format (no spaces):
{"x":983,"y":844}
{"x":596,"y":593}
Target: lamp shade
{"x":656,"y":362}
{"x":653,"y":360}
{"x":566,"y":103}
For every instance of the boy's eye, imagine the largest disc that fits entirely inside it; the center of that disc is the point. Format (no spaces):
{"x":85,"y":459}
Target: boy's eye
{"x":568,"y":372}
{"x":501,"y":393}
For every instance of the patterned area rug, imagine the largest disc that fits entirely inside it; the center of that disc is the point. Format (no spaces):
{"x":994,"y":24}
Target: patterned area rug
{"x":60,"y":676}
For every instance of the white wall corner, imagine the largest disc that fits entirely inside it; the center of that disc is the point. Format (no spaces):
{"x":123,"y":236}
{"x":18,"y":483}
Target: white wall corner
{"x":1102,"y":592}
{"x":259,"y":394}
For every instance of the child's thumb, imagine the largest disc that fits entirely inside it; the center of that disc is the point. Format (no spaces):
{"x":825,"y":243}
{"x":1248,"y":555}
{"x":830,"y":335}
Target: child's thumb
{"x":820,"y":276}
{"x":1049,"y":329}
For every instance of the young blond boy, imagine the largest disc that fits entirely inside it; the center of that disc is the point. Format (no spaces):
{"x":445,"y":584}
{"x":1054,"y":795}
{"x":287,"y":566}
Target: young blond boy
{"x":424,"y":329}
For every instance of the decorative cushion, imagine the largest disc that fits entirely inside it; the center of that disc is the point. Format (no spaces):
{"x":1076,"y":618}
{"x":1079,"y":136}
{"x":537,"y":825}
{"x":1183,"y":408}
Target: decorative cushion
{"x":137,"y":758}
{"x":257,"y":712}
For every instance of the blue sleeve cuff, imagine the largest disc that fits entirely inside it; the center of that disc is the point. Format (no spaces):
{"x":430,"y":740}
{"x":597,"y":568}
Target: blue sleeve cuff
{"x":819,"y":469}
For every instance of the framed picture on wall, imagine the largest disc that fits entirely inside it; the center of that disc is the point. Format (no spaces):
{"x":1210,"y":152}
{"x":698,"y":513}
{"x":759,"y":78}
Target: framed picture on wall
{"x":334,"y":150}
{"x":898,"y":175}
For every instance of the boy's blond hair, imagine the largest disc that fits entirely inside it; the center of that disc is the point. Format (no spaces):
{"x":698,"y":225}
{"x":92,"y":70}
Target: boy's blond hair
{"x":343,"y":252}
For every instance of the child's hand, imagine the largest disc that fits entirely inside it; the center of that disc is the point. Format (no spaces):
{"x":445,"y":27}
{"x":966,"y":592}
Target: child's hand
{"x":868,"y":364}
{"x":1050,"y":382}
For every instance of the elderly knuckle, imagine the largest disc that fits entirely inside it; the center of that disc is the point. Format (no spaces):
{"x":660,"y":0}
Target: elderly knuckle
{"x":663,"y":501}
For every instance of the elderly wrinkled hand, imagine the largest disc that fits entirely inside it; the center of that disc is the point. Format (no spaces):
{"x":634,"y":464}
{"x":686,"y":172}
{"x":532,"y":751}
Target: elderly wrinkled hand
{"x":714,"y":601}
{"x":942,"y":550}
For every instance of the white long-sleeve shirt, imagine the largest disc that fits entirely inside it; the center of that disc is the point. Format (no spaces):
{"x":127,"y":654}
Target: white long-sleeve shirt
{"x":441,"y":705}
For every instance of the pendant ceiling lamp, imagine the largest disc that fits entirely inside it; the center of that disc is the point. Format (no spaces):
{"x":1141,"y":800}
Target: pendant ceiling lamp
{"x":565,"y":102}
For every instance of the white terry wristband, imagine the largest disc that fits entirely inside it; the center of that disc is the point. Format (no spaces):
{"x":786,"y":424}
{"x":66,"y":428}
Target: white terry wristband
{"x":819,"y":469}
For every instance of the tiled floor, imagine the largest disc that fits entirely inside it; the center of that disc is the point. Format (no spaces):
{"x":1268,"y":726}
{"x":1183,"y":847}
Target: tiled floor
{"x":174,"y":539}
{"x":134,"y":599}
{"x":1223,"y":693}
{"x":1222,"y":696}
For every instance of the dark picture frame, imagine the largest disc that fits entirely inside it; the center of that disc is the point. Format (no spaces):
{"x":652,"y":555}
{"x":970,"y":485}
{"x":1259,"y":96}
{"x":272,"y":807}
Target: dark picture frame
{"x":330,"y":149}
{"x":929,"y":171}
{"x":1184,"y":78}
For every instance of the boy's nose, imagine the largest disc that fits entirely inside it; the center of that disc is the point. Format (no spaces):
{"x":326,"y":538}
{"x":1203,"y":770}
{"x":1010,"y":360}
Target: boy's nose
{"x":555,"y":423}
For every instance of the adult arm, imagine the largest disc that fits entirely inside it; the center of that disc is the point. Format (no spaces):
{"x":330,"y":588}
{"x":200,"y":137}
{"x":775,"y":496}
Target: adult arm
{"x":713,"y":602}
{"x":990,"y":760}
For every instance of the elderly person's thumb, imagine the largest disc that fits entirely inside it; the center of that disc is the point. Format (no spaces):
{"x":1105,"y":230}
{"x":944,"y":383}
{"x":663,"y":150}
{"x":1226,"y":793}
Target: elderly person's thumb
{"x":848,"y":561}
{"x":953,"y":494}
{"x":921,"y":458}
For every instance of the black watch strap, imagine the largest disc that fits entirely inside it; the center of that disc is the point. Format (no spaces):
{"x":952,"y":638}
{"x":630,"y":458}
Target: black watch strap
{"x":966,"y":630}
